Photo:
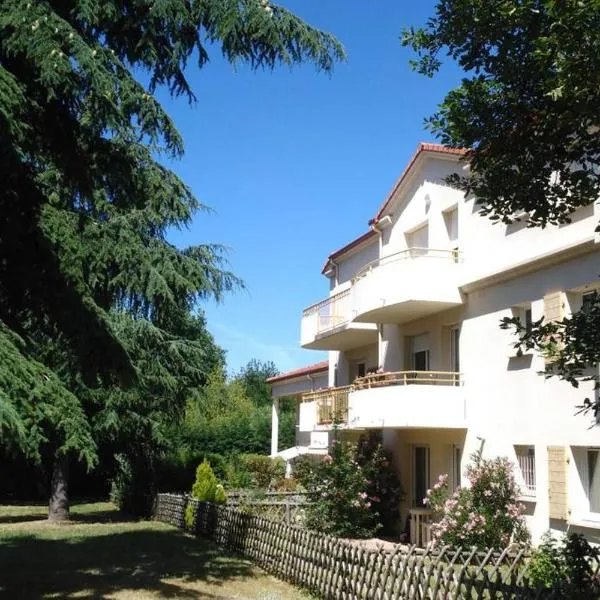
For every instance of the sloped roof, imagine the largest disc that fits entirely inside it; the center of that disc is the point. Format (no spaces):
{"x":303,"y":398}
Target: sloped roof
{"x":421,"y":148}
{"x":308,"y":370}
{"x":353,"y":244}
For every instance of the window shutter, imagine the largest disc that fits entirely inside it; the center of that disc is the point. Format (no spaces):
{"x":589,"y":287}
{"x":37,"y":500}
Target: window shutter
{"x":554,"y":307}
{"x":554,"y":310}
{"x":558,"y":465}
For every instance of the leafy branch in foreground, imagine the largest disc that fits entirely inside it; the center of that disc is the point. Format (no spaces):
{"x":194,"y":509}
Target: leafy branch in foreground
{"x":570,"y":346}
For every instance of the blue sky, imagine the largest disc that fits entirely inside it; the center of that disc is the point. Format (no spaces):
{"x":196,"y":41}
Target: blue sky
{"x":294,"y":163}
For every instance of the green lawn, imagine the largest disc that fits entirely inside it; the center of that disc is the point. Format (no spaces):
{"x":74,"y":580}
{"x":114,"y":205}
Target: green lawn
{"x":98,"y":555}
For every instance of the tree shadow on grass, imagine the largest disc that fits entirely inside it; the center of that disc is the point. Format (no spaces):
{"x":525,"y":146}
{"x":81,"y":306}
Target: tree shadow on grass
{"x":96,"y":567}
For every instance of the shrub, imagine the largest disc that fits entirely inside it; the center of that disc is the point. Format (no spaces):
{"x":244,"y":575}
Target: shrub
{"x":567,"y":566}
{"x":205,"y":486}
{"x":487,"y":514}
{"x":341,"y":505}
{"x":303,"y":468}
{"x":383,"y":485}
{"x":175,"y":472}
{"x":133,"y":488}
{"x":255,"y":471}
{"x":356,"y":489}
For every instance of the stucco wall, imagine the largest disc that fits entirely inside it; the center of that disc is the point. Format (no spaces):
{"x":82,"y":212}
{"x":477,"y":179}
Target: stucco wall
{"x":355,"y":260}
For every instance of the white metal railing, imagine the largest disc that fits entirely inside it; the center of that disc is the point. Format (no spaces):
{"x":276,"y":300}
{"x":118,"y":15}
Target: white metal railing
{"x":408,"y":254}
{"x":407,"y":378}
{"x":527,"y":467}
{"x":331,"y":312}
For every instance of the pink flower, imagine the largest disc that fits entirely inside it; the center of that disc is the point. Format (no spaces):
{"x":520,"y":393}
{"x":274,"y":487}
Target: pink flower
{"x":363,"y":495}
{"x":327,"y":458}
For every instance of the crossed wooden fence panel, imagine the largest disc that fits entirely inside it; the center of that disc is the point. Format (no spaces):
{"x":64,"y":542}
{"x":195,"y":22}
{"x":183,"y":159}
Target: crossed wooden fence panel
{"x":335,"y":569}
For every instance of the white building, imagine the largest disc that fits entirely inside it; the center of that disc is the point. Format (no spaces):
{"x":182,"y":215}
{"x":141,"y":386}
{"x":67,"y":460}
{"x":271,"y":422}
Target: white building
{"x":419,"y":297}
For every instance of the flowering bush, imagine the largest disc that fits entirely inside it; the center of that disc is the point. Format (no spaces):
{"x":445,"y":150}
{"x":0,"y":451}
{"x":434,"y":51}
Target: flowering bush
{"x":355,"y":490}
{"x":487,"y":514}
{"x":383,"y":485}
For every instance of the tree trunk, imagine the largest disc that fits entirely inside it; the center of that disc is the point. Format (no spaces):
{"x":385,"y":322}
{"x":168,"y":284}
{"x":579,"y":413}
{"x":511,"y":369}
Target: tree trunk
{"x":59,"y":493}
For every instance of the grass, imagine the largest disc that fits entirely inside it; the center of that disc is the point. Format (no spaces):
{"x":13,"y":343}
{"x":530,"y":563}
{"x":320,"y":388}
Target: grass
{"x":99,"y":555}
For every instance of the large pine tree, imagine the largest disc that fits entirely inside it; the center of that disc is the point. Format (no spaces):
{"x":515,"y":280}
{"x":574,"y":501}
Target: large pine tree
{"x":91,"y":291}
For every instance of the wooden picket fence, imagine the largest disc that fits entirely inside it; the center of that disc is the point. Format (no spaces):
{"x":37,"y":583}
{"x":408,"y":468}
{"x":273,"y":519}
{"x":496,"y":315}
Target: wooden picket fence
{"x":280,"y":506}
{"x":335,"y":569}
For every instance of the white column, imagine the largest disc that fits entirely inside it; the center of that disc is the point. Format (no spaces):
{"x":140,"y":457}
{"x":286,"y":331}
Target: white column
{"x":391,"y":348}
{"x":275,"y":427}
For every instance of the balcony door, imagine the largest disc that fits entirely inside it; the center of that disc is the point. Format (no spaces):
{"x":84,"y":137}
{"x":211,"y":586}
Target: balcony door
{"x":420,"y":470}
{"x":419,"y":352}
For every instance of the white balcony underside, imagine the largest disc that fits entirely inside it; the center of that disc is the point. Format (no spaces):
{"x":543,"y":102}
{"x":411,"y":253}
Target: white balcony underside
{"x":406,"y":287}
{"x":408,"y":406}
{"x":343,"y":337}
{"x":402,"y":311}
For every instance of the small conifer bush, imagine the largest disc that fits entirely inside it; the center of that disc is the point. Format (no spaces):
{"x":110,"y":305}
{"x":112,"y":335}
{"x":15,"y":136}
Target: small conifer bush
{"x":206,"y":488}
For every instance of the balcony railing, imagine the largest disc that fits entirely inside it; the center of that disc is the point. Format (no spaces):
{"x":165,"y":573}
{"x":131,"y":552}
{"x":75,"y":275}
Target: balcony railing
{"x":408,"y":254}
{"x":332,"y":404}
{"x":407,"y":378}
{"x":330,"y":313}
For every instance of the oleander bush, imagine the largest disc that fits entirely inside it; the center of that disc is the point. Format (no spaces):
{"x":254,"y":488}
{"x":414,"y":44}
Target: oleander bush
{"x":486,"y":514}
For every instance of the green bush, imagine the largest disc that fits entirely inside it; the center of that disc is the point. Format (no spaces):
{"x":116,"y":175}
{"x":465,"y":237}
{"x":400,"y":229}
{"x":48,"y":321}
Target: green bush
{"x":205,"y":486}
{"x":133,"y":486}
{"x":487,"y":514}
{"x":356,"y":491}
{"x":341,"y":505}
{"x":255,"y":471}
{"x":176,"y":471}
{"x":383,"y":484}
{"x":566,"y":566}
{"x":220,"y":495}
{"x":303,"y":468}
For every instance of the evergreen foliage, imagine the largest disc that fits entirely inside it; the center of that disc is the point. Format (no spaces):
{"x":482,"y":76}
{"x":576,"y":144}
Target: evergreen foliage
{"x":97,"y":341}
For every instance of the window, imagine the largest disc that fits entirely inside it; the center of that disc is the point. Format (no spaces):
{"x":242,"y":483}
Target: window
{"x":593,"y":479}
{"x":451,"y":221}
{"x":456,"y":460}
{"x":455,"y":349}
{"x":523,"y":313}
{"x":420,"y":474}
{"x":419,"y":352}
{"x":587,"y":300}
{"x":417,"y":241}
{"x":526,"y":461}
{"x":361,"y":369}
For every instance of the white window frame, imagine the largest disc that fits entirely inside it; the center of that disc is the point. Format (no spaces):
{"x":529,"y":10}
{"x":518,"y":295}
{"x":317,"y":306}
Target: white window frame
{"x":451,"y":223}
{"x":524,"y":313}
{"x":592,"y":516}
{"x":527,"y":464}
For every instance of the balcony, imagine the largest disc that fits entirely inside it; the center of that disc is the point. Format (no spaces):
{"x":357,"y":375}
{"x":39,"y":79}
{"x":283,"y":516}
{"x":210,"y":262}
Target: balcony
{"x":408,"y":399}
{"x":405,"y":286}
{"x":331,"y":404}
{"x":328,"y":325}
